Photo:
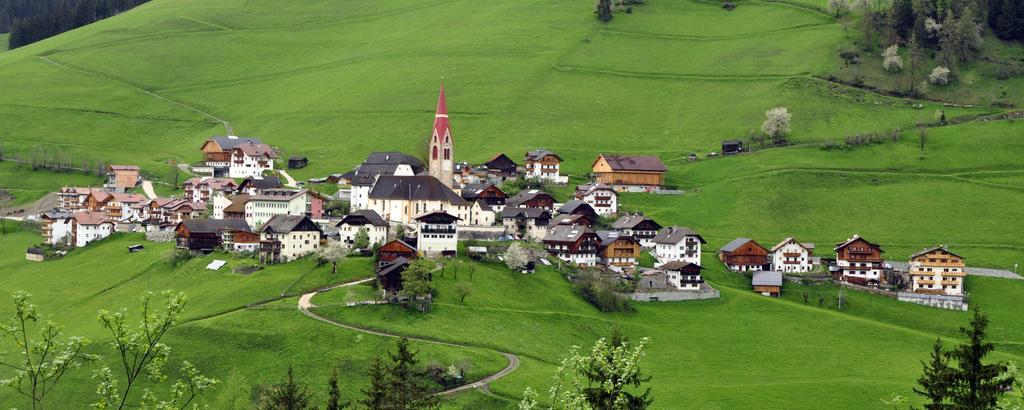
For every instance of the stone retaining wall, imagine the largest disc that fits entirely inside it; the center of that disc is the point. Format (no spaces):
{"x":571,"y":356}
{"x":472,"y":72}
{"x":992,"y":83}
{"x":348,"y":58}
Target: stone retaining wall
{"x":936,"y":301}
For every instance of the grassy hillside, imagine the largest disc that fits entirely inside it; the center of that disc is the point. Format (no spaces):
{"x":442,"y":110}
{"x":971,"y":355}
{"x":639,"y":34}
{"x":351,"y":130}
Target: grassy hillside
{"x":27,"y":185}
{"x":337,"y":79}
{"x":741,"y":351}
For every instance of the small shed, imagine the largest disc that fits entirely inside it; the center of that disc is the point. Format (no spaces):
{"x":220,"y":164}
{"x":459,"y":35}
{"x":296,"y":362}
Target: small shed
{"x":34,"y":255}
{"x":297,"y":162}
{"x":768,"y":283}
{"x":732,"y":147}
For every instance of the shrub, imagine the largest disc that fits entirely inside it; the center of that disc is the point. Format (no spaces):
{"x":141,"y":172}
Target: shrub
{"x":597,"y":292}
{"x":939,"y":76}
{"x":891,"y":60}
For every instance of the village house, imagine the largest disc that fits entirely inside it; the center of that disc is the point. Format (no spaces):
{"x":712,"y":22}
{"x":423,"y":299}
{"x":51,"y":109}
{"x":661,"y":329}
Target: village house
{"x":362,"y":177}
{"x":683,"y":275}
{"x":937,"y":271}
{"x":389,"y":276}
{"x":118,"y":207}
{"x":74,"y":199}
{"x":744,"y":255}
{"x":170,"y":211}
{"x":792,"y":256}
{"x":257,"y":184}
{"x":526,"y":223}
{"x":502,"y":166}
{"x":121,"y":178}
{"x":859,"y":262}
{"x":487,"y":192}
{"x":545,"y":165}
{"x":55,"y":228}
{"x":677,"y":244}
{"x":767,"y":283}
{"x":394,"y":250}
{"x":206,"y":235}
{"x":577,"y":207}
{"x":89,"y":226}
{"x":572,"y":219}
{"x":441,"y":147}
{"x":437,"y":234}
{"x":573,"y":244}
{"x":399,"y":199}
{"x":629,"y":173}
{"x":532,"y":198}
{"x":284,"y":238}
{"x":200,"y":189}
{"x":363,"y":220}
{"x":601,"y":197}
{"x":235,"y":157}
{"x":297,"y":162}
{"x":617,"y":251}
{"x":259,"y":208}
{"x":640,"y":227}
{"x":240,"y":240}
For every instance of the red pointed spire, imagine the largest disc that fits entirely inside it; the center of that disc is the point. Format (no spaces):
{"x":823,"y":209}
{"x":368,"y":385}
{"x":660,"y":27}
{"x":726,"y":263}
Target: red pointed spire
{"x":442,"y":106}
{"x":441,"y":126}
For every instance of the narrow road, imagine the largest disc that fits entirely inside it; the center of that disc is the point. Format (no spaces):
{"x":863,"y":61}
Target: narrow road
{"x":147,"y":187}
{"x":306,"y":302}
{"x":288,"y":180}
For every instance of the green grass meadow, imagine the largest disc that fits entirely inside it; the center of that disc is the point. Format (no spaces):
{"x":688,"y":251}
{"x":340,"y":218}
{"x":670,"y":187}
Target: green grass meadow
{"x":337,"y":79}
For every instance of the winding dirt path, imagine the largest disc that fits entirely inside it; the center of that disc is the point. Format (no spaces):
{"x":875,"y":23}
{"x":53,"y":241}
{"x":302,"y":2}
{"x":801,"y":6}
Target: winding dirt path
{"x":306,"y":302}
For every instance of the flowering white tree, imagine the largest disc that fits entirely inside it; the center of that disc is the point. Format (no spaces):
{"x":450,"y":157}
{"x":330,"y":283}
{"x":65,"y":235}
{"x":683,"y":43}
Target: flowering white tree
{"x":939,"y":76}
{"x":609,"y":377}
{"x":776,"y":123}
{"x":516,"y":257}
{"x":334,"y":252}
{"x":891,"y":60}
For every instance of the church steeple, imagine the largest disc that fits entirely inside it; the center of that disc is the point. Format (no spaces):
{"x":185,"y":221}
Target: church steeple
{"x":442,"y":147}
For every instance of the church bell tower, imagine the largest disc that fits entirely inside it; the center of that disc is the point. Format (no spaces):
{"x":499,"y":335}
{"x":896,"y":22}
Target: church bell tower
{"x":442,"y":148}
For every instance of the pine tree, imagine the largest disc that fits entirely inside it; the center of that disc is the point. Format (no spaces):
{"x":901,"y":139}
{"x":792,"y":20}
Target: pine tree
{"x":936,"y":379}
{"x":334,"y":393}
{"x":976,"y":385}
{"x":948,"y":41}
{"x":604,"y":10}
{"x":376,"y":396}
{"x":287,"y":395}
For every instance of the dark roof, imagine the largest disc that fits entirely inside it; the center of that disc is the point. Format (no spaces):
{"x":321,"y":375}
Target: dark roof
{"x":215,"y":225}
{"x":573,"y":205}
{"x":366,"y":174}
{"x":607,"y":237}
{"x":363,"y":217}
{"x":675,"y":234}
{"x":571,"y":219}
{"x":734,"y":244}
{"x":419,"y":187}
{"x":539,"y":154}
{"x":935,"y":248}
{"x":854,"y":238}
{"x":630,"y":221}
{"x":566,"y":233}
{"x":500,"y":160}
{"x":227,"y":143}
{"x":678,"y":265}
{"x":732,"y":142}
{"x":634,"y":163}
{"x":395,"y":158}
{"x":382,"y":163}
{"x":388,"y":267}
{"x":526,"y":195}
{"x":261,"y":183}
{"x":512,"y":212}
{"x":438,"y":216}
{"x":238,"y":204}
{"x":767,"y":278}
{"x":472,"y":191}
{"x":297,"y":158}
{"x":289,"y":223}
{"x":586,"y":189}
{"x":806,"y":245}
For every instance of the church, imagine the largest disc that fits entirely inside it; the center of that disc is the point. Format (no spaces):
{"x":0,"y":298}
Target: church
{"x":402,"y":198}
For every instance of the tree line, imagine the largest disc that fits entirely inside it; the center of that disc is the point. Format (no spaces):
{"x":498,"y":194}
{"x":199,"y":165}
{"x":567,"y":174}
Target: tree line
{"x":29,"y":21}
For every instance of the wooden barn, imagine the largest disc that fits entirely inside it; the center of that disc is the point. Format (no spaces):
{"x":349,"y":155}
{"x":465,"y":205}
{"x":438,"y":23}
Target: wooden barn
{"x":205,"y":235}
{"x":743,"y":255}
{"x":502,"y":165}
{"x":629,"y":172}
{"x":394,"y":250}
{"x":297,"y":162}
{"x":767,"y":283}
